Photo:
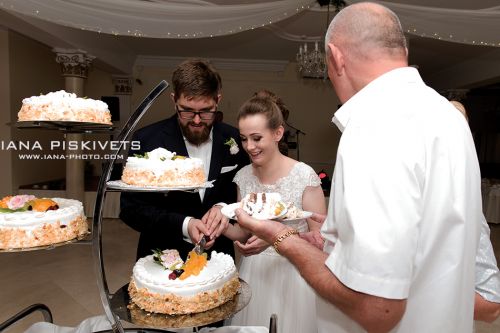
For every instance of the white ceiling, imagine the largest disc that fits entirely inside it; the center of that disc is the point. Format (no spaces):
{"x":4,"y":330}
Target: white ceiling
{"x":439,"y":62}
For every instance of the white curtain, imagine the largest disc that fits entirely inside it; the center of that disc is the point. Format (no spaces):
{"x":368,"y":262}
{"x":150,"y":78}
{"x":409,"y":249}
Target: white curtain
{"x":158,"y":18}
{"x":468,"y":26}
{"x":197,"y":18}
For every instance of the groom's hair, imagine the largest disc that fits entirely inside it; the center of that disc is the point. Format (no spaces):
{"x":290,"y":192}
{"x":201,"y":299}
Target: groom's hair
{"x":196,"y":78}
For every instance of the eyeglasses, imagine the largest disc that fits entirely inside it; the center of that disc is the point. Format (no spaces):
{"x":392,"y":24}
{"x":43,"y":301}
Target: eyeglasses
{"x":188,"y":114}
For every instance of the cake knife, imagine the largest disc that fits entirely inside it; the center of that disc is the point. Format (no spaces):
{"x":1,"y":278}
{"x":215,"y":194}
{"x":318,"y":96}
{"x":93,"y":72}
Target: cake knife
{"x":199,"y":248}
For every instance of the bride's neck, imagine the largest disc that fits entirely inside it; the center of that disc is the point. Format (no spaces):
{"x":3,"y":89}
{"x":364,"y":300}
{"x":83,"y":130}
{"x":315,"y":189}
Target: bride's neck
{"x":272,"y":170}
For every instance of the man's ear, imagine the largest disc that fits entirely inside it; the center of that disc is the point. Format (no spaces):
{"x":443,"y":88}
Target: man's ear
{"x":219,"y":98}
{"x":336,"y":58}
{"x":172,"y":97}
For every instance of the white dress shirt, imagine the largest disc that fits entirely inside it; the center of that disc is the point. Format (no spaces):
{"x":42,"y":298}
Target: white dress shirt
{"x":203,"y":152}
{"x":405,"y":207}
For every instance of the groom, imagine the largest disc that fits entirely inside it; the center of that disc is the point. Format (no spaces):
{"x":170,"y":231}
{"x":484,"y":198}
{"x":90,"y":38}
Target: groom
{"x":176,"y":220}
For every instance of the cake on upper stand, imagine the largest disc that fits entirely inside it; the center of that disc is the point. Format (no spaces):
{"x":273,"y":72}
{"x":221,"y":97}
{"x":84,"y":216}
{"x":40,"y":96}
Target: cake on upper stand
{"x":64,"y":106}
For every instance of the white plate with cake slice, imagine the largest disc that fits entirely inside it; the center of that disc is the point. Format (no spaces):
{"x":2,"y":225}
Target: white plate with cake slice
{"x":122,"y":186}
{"x":229,"y":212}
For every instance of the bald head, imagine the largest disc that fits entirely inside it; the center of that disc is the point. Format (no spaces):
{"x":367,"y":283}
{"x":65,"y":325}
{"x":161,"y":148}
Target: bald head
{"x":367,"y":31}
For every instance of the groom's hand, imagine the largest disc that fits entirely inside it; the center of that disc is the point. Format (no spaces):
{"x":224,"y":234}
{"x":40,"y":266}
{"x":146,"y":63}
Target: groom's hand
{"x":197,"y":229}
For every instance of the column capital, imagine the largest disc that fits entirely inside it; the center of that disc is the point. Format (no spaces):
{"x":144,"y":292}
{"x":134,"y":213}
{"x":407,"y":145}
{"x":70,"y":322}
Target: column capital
{"x":74,"y":62}
{"x":123,"y":84}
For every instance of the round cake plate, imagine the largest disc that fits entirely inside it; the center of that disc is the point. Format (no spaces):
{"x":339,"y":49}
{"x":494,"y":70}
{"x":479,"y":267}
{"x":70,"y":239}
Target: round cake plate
{"x":82,"y":238}
{"x":128,"y":311}
{"x":66,"y":126}
{"x":118,"y":185}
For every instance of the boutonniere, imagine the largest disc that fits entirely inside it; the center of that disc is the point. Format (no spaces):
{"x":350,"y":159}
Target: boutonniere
{"x":233,"y":146}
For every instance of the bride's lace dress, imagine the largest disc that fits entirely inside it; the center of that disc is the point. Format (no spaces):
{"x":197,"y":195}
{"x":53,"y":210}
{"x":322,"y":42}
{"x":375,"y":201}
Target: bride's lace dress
{"x":276,"y":285}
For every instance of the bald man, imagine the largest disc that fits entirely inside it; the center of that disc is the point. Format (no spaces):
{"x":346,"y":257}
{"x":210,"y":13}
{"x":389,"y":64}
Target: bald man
{"x":401,"y":232}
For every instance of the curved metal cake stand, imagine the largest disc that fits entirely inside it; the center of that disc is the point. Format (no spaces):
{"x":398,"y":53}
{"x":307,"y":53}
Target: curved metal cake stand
{"x":99,"y":205}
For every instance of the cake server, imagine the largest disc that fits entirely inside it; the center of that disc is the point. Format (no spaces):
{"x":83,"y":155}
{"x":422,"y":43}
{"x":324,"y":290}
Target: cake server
{"x":199,"y":248}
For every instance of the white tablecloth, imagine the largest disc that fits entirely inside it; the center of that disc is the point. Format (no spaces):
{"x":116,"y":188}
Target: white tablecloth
{"x":491,"y":201}
{"x":98,"y":323}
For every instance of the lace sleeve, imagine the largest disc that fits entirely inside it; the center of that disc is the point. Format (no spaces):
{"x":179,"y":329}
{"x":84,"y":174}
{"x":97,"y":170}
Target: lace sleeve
{"x":240,"y":176}
{"x":310,"y":176}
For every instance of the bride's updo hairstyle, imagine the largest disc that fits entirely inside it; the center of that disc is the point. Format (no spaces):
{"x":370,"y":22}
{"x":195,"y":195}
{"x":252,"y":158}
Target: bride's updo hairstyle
{"x":264,"y":106}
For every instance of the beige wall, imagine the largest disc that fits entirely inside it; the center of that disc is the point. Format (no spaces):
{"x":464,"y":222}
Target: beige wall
{"x":5,"y":130}
{"x":312,"y":103}
{"x":33,"y":71}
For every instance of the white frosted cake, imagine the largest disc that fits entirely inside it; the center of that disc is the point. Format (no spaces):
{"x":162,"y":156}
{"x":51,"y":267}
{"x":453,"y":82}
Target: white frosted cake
{"x":169,"y":286}
{"x":161,"y":167}
{"x":26,"y":221}
{"x":263,"y":205}
{"x":64,"y":106}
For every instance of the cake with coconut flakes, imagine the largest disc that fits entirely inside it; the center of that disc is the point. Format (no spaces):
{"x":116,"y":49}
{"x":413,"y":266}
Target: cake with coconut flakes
{"x":164,"y":283}
{"x":27,"y":221}
{"x":163,"y":168}
{"x":64,"y":106}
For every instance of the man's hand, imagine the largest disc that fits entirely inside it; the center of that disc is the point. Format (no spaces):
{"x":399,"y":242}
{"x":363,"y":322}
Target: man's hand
{"x":216,"y":222}
{"x":264,"y":229}
{"x":314,"y":237}
{"x":197,"y":229}
{"x":254,"y":245}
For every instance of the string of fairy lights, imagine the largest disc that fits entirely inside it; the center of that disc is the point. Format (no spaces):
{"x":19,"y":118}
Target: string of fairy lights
{"x":37,"y":12}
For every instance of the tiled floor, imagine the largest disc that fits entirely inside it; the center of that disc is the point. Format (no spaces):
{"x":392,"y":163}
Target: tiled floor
{"x":64,"y":279}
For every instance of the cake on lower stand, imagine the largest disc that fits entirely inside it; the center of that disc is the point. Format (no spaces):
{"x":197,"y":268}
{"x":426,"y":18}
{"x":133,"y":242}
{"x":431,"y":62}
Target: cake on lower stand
{"x":163,"y":283}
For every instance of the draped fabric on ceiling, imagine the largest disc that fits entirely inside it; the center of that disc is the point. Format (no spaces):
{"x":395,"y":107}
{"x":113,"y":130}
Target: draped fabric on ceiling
{"x":197,"y":18}
{"x":158,"y":18}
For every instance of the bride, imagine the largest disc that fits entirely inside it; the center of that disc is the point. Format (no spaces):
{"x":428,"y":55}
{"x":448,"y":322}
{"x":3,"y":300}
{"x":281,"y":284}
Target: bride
{"x":276,"y":285}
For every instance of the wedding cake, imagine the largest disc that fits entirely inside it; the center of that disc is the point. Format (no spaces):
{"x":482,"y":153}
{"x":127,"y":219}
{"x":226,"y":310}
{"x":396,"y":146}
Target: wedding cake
{"x":163,"y":283}
{"x":64,"y":106}
{"x":163,"y":168}
{"x":27,"y":221}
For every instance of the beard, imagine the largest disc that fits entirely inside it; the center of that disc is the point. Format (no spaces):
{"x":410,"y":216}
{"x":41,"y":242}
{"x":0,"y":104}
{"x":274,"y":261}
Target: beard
{"x":196,"y":138}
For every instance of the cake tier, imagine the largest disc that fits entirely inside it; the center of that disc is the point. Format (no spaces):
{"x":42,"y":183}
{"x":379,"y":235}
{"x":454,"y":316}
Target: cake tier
{"x":63,"y":106}
{"x":31,"y":229}
{"x":152,"y":290}
{"x":173,"y":304}
{"x":174,"y":173}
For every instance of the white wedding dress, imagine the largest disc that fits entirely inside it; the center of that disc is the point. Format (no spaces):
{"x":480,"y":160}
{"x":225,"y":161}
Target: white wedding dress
{"x":277,"y":286}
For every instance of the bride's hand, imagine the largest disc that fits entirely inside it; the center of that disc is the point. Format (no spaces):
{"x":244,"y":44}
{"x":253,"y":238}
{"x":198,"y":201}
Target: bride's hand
{"x":254,"y":245}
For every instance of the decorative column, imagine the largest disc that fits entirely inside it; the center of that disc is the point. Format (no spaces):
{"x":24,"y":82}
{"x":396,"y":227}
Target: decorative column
{"x":74,"y":65}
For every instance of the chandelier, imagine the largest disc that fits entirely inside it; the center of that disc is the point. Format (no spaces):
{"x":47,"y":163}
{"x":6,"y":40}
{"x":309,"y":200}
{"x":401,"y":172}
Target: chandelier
{"x":312,"y":63}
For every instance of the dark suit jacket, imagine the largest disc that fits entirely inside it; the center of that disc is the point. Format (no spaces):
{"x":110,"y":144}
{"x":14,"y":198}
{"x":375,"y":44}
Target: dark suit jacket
{"x":159,"y":216}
